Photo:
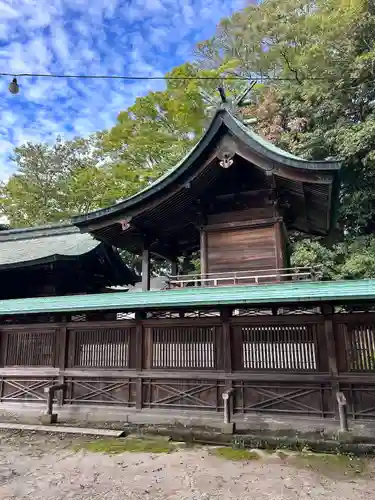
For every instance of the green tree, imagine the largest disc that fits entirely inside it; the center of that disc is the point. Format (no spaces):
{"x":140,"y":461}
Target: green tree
{"x":322,"y":54}
{"x":53,"y":182}
{"x":156,"y":132}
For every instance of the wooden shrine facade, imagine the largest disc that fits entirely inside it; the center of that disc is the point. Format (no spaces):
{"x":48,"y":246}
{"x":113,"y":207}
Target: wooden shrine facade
{"x":280,"y":362}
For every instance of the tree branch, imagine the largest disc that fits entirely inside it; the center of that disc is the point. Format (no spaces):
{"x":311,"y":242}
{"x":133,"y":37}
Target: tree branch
{"x":290,"y":67}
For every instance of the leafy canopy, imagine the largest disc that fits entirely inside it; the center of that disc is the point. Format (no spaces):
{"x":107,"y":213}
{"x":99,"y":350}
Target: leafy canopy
{"x":322,"y":53}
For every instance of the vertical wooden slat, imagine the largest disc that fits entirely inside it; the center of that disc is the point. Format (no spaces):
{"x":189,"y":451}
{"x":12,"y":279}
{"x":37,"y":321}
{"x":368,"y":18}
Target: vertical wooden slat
{"x":182,"y":347}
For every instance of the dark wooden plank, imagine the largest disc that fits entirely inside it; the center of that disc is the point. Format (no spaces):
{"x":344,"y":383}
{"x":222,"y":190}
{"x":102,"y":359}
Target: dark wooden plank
{"x":226,"y":339}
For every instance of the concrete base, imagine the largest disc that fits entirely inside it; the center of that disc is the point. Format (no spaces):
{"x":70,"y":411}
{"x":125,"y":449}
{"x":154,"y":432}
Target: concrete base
{"x":227,"y":428}
{"x":60,"y":429}
{"x":48,"y":419}
{"x":119,"y":417}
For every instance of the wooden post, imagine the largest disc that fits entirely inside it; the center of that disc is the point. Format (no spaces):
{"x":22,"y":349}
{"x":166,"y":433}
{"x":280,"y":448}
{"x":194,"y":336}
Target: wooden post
{"x":174,"y":267}
{"x":145,"y":269}
{"x":279,"y":250}
{"x":327,"y":311}
{"x":139,"y":343}
{"x":62,"y":338}
{"x":203,"y":252}
{"x":226,"y":339}
{"x":3,"y":357}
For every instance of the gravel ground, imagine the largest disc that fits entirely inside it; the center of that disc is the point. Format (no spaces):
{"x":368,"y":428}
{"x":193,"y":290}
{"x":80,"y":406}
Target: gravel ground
{"x":47,"y":467}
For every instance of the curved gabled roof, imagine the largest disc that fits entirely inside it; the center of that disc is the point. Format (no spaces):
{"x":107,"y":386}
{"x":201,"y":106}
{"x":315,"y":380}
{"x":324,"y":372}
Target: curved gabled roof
{"x":20,"y":247}
{"x":33,"y":246}
{"x":222,"y":118}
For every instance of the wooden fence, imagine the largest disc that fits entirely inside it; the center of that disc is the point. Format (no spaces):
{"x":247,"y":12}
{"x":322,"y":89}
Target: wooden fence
{"x":291,"y":364}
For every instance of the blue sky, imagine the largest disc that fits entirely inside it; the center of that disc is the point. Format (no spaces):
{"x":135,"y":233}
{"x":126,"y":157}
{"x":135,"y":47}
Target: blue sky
{"x":134,"y":37}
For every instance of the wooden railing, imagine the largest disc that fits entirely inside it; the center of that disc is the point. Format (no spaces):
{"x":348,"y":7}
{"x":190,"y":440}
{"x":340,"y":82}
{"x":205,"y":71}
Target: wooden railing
{"x":291,"y":365}
{"x":244,"y":277}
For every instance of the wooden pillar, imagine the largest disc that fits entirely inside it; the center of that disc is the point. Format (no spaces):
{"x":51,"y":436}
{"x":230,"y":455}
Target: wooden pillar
{"x":174,"y":267}
{"x":138,"y":354}
{"x":327,"y":310}
{"x":145,"y":269}
{"x":203,"y":252}
{"x":279,"y":247}
{"x":226,"y":343}
{"x":62,"y":342}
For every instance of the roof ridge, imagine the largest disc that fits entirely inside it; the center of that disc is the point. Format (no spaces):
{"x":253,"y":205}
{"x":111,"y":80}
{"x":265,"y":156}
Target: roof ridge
{"x":45,"y":231}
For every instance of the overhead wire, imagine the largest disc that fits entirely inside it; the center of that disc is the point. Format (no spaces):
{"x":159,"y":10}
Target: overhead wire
{"x":134,"y":78}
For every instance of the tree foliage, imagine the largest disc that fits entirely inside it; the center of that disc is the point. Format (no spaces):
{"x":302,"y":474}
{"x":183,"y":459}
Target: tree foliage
{"x":321,"y":105}
{"x":53,"y":182}
{"x":316,"y":99}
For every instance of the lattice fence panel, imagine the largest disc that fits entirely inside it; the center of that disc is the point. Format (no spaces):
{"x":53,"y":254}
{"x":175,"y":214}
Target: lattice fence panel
{"x":102,"y":348}
{"x":361,"y":348}
{"x":30,"y":348}
{"x":183,"y":347}
{"x":280,"y":347}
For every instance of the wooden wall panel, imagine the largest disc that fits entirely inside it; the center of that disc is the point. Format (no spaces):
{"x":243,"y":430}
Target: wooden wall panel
{"x":242,"y":249}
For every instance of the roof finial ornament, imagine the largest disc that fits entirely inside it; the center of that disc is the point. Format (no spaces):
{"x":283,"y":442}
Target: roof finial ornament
{"x":222,"y":94}
{"x":231,"y":103}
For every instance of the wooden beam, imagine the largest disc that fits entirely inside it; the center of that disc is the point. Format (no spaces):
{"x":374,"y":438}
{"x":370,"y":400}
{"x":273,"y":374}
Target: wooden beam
{"x":145,"y":269}
{"x":242,"y":224}
{"x":243,"y":194}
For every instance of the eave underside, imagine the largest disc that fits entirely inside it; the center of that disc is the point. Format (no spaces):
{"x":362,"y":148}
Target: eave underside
{"x":171,"y":223}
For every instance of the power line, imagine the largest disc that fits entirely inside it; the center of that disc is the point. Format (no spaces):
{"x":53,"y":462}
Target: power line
{"x":135,"y":78}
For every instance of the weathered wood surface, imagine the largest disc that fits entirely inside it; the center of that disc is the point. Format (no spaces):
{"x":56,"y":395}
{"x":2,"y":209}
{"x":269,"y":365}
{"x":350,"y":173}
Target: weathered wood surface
{"x":291,"y":365}
{"x":241,"y":249}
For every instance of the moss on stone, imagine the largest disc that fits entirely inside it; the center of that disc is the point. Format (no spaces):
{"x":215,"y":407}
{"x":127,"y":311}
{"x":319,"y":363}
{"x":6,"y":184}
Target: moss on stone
{"x":331,"y":465}
{"x":120,"y":445}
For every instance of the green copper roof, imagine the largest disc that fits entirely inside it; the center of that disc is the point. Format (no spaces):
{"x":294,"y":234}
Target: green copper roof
{"x":222,"y":118}
{"x":43,"y":244}
{"x":281,"y":293}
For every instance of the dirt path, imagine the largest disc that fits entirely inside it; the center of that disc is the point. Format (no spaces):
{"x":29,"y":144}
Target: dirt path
{"x":47,"y":467}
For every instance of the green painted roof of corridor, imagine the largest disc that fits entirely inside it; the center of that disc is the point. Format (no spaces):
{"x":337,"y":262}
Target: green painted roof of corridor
{"x":281,"y":293}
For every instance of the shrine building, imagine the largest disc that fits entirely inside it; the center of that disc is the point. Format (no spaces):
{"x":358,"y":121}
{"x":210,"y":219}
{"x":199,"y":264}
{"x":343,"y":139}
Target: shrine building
{"x":276,"y":341}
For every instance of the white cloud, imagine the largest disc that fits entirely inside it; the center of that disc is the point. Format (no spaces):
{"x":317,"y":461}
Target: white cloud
{"x":133,"y":37}
{"x":6,"y":11}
